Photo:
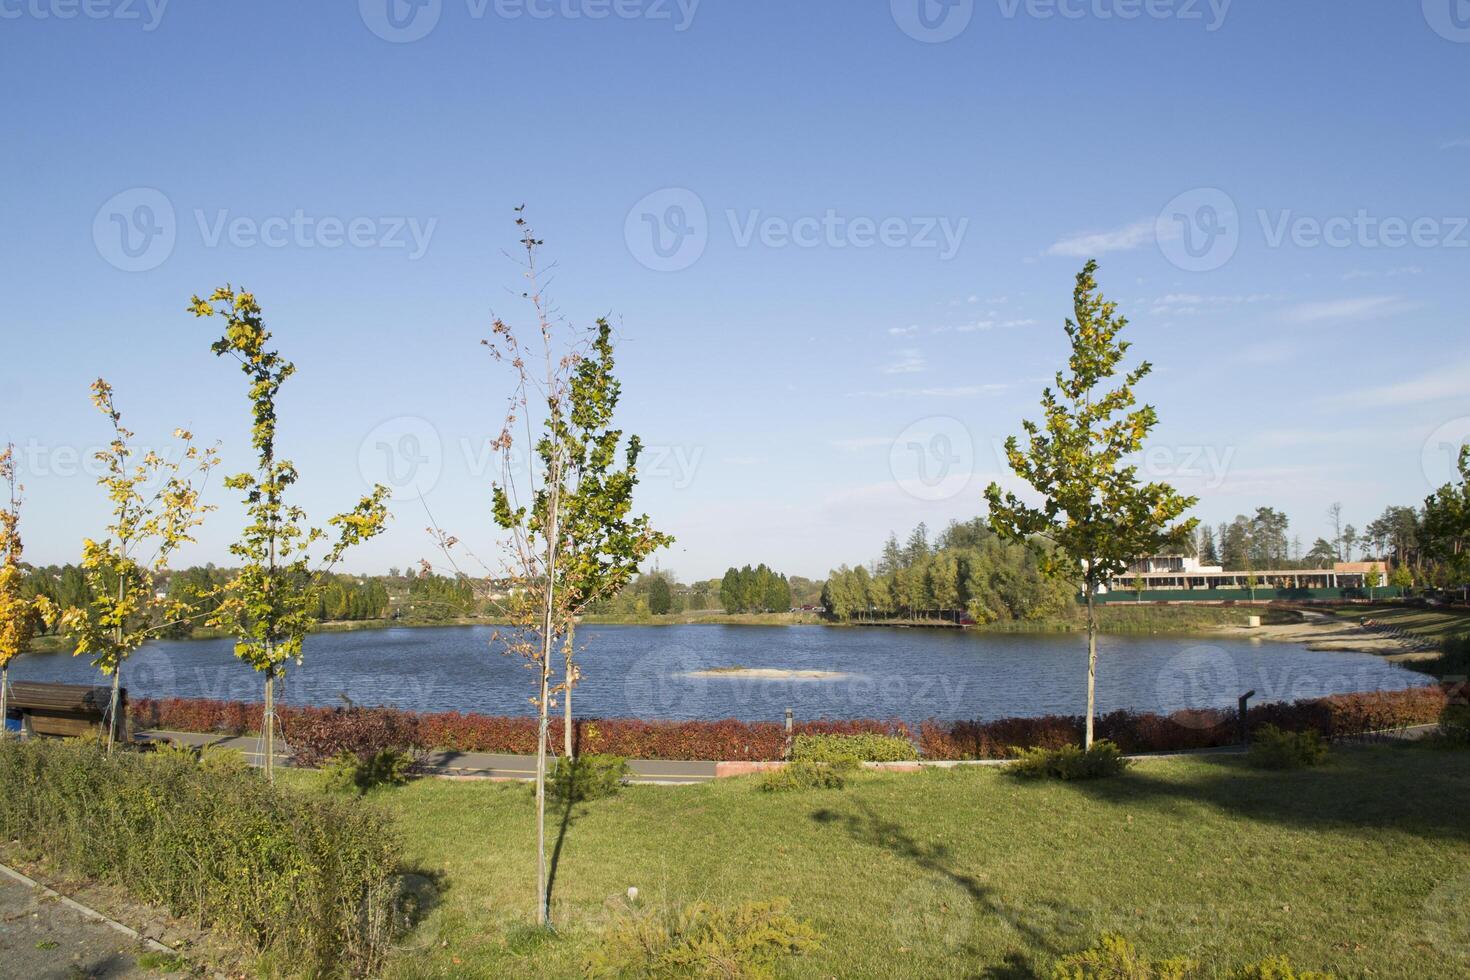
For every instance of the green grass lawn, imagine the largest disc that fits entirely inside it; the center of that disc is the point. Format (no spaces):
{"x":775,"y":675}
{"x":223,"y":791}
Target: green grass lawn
{"x":1431,"y":623}
{"x":1361,"y":867}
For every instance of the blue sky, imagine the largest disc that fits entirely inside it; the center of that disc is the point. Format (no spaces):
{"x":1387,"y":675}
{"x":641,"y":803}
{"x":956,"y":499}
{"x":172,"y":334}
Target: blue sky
{"x":880,"y":234}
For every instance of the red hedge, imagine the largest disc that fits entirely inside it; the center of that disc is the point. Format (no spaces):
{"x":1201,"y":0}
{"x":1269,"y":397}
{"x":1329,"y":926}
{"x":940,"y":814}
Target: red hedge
{"x":318,"y":733}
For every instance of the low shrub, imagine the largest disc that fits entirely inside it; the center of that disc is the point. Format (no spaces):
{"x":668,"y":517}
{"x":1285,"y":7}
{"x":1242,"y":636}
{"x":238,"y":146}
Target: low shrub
{"x":869,"y":747}
{"x":225,"y":762}
{"x":588,"y":777}
{"x":1115,"y":958}
{"x":1068,"y":762}
{"x":319,"y":734}
{"x":748,"y":941}
{"x":1454,"y":725}
{"x":1273,"y":748}
{"x":302,"y":879}
{"x":347,"y":772}
{"x":168,"y":752}
{"x":804,"y":774}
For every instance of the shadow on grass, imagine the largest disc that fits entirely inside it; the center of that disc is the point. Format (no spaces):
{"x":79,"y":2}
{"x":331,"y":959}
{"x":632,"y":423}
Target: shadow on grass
{"x":866,"y":826}
{"x":1411,"y":789}
{"x":567,"y":819}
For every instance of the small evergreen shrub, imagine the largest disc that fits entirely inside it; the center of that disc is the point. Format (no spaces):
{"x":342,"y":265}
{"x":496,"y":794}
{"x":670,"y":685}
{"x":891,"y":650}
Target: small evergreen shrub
{"x":869,"y":747}
{"x":225,"y":762}
{"x":803,"y":774}
{"x":1273,"y":748}
{"x":1115,"y":958}
{"x":743,"y":943}
{"x":169,"y":752}
{"x":1068,"y":762}
{"x":1277,"y":968}
{"x":347,"y":773}
{"x":588,"y":777}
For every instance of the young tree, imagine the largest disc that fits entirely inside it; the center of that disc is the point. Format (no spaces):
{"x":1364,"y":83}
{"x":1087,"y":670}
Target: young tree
{"x":1445,"y":534}
{"x":155,"y":505}
{"x":568,"y":536}
{"x":19,"y":613}
{"x":1334,"y":521}
{"x":1401,"y":578}
{"x":272,"y":602}
{"x":1372,"y":579}
{"x":1094,"y":510}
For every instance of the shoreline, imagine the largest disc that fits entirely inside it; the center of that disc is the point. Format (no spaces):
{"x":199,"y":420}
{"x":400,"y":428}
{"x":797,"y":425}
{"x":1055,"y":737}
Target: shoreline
{"x":1318,"y":631}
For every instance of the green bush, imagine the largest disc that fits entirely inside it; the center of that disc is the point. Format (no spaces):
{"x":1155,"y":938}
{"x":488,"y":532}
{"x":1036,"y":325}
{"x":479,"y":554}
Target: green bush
{"x":225,"y":762}
{"x":588,"y":777}
{"x":1068,"y":762}
{"x":1115,"y":958}
{"x":748,"y":941}
{"x":304,"y":880}
{"x":1454,"y":725}
{"x":1273,"y":748}
{"x":869,"y":747}
{"x":347,"y":772}
{"x":802,"y":774}
{"x":175,"y":752}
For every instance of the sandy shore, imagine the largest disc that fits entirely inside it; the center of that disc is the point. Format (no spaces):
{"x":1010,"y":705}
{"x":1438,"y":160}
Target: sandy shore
{"x":771,"y":674}
{"x":1322,"y":632}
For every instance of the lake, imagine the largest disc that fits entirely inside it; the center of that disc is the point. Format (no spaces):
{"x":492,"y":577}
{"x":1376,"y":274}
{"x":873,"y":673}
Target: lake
{"x":652,"y":672}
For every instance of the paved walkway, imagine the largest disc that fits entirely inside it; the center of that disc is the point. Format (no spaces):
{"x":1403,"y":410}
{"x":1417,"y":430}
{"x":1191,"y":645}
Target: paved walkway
{"x":42,"y":938}
{"x":482,"y":765}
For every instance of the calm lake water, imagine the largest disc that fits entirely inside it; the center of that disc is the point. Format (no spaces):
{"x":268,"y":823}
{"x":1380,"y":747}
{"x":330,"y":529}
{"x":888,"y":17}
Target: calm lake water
{"x":645,"y":672}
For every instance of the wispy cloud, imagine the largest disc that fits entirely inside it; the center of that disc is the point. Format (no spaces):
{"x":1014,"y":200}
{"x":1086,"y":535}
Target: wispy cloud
{"x":908,"y":361}
{"x":959,"y":391}
{"x":1456,"y":144}
{"x":1431,"y":386}
{"x":1356,"y":308}
{"x":861,"y":443}
{"x":907,"y":331}
{"x":1089,"y":244}
{"x":1192,"y":303}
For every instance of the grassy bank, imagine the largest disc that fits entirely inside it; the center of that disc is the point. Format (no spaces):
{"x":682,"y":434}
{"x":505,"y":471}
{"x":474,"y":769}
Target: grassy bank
{"x":1358,"y":867}
{"x":1428,"y":622}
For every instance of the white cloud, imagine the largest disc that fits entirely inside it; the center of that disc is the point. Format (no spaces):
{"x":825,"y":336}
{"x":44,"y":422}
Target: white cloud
{"x":958,"y":391}
{"x":1092,"y":244}
{"x":860,"y":443}
{"x":1192,"y":303}
{"x":907,"y":331}
{"x":1457,"y":144}
{"x":1431,"y":386}
{"x":909,"y":361}
{"x":1357,"y":308}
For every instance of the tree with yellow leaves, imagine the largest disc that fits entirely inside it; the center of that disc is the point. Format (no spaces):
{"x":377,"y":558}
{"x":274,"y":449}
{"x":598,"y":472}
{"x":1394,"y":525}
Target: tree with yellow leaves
{"x":155,"y":507}
{"x":18,"y":614}
{"x":270,"y":604}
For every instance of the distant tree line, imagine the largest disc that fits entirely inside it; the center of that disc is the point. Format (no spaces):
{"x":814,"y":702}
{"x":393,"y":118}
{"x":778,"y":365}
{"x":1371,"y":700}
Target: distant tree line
{"x":754,"y":590}
{"x":968,"y":571}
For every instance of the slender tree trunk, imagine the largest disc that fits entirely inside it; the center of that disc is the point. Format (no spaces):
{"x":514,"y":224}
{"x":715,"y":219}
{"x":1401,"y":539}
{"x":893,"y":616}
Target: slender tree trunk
{"x":4,"y":701}
{"x":542,"y":912}
{"x":268,"y":721}
{"x":1091,"y":665}
{"x":112,"y":725}
{"x":569,"y":747}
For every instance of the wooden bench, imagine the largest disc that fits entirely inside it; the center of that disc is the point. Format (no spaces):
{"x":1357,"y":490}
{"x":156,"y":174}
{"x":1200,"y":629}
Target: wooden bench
{"x":66,"y":710}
